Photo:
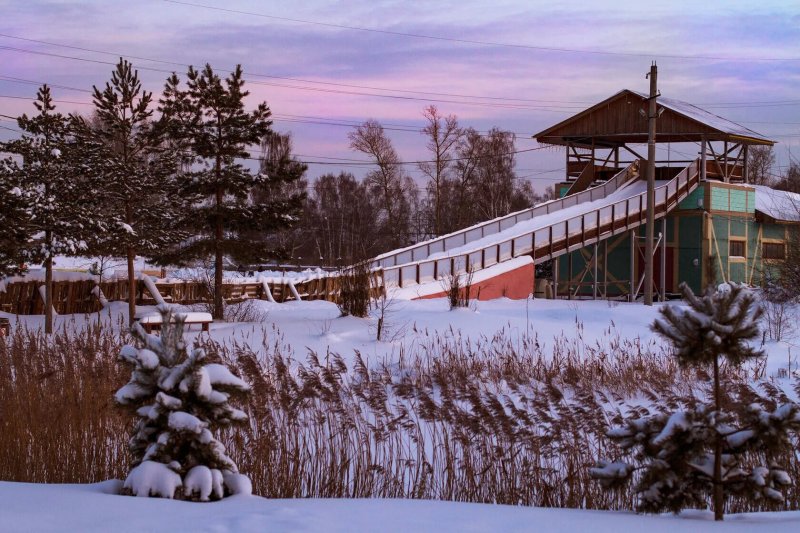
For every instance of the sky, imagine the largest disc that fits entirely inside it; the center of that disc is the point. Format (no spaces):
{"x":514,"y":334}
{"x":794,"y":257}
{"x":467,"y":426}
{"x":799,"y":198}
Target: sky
{"x":325,"y":66}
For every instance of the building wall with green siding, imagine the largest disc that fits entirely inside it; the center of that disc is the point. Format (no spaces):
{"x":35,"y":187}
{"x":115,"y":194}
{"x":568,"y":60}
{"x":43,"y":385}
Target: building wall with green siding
{"x":695,"y":200}
{"x":732,"y":215}
{"x":730,"y":199}
{"x":690,"y":251}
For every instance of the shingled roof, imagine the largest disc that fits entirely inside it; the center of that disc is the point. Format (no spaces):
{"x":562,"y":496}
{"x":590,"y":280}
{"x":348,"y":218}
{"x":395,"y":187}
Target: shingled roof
{"x":617,"y":120}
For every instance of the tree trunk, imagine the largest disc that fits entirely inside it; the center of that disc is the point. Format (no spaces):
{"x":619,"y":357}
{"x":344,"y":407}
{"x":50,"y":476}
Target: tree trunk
{"x":48,"y":288}
{"x":131,"y":285}
{"x":437,"y":223}
{"x":130,"y":255}
{"x":719,"y":501}
{"x":219,"y":310}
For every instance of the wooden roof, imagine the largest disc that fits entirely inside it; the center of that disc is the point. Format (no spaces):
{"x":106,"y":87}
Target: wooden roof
{"x":616,"y":121}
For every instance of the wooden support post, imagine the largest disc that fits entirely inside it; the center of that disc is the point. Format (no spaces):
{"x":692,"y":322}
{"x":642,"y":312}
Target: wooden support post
{"x":745,"y":174}
{"x":612,"y":217}
{"x":632,"y":264}
{"x":594,"y":276}
{"x":556,"y":264}
{"x":703,"y":149}
{"x":583,"y":230}
{"x":605,"y":269}
{"x":566,"y":167}
{"x":663,"y":280}
{"x":569,"y":281}
{"x":726,"y":174}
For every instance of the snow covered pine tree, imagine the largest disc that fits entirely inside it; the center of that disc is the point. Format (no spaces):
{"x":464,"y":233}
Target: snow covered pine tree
{"x":209,"y":118}
{"x":137,"y":166}
{"x":62,"y":212}
{"x":17,"y":234}
{"x":695,"y":451}
{"x":179,"y":399}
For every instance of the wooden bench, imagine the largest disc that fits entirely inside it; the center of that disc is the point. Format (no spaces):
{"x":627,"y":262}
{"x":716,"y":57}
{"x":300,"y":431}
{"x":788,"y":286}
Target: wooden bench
{"x":5,"y":327}
{"x":153,"y":322}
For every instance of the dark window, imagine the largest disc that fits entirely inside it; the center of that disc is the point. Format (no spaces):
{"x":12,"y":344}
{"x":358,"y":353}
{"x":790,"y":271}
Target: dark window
{"x":736,"y":249}
{"x":774,"y":250}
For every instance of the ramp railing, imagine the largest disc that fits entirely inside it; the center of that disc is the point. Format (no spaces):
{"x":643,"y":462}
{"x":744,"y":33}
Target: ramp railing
{"x":552,"y":240}
{"x":424,"y":249}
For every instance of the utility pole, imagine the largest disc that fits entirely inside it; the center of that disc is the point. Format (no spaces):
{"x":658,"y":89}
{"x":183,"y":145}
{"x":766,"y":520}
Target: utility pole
{"x":652,"y":114}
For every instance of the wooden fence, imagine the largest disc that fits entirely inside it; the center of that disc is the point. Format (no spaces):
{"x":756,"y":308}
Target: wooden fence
{"x":27,"y":297}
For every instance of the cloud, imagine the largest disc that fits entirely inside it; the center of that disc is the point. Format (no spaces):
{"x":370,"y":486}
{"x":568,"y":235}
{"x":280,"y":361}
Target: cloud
{"x":340,"y":56}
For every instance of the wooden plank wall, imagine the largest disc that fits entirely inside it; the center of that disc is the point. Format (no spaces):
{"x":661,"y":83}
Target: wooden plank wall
{"x":23,"y":298}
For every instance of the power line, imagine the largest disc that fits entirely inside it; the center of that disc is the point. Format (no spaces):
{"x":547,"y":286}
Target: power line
{"x":729,"y":105}
{"x":360,"y":162}
{"x":482,"y":43}
{"x":544,"y":108}
{"x":302,"y":80}
{"x":13,"y":79}
{"x":56,"y":101}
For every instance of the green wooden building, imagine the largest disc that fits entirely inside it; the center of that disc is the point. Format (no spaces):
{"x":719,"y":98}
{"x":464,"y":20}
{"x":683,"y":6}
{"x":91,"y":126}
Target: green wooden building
{"x":724,"y":230}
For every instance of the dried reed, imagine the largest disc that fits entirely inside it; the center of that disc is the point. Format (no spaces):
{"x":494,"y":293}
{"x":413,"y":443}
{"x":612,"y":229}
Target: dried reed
{"x":504,"y":419}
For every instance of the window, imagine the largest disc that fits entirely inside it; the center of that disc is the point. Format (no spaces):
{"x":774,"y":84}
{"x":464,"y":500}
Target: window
{"x":736,"y":249}
{"x":774,"y":250}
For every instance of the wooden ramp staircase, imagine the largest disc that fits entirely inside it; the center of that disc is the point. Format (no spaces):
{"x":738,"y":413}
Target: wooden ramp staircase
{"x":601,"y":220}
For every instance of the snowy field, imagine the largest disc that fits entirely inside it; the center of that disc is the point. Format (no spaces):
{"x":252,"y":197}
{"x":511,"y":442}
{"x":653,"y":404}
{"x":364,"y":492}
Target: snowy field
{"x":318,"y":326}
{"x":412,"y":325}
{"x":94,"y":508}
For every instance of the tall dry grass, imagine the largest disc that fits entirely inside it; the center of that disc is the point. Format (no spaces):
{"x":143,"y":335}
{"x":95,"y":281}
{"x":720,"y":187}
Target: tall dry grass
{"x":58,"y":422}
{"x":506,"y":419}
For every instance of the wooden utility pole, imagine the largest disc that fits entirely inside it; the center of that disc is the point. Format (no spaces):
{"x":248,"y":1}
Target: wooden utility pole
{"x":651,"y":184}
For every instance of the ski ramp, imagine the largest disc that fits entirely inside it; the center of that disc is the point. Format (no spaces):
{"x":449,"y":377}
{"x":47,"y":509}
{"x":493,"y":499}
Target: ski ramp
{"x":446,"y":243}
{"x":543,"y":234}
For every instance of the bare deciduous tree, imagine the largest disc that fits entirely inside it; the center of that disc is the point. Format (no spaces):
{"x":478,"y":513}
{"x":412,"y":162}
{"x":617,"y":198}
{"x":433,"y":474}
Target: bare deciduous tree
{"x":371,"y":139}
{"x":790,"y":181}
{"x":483,"y":183}
{"x":443,"y":133}
{"x":760,"y":160}
{"x":340,"y":220}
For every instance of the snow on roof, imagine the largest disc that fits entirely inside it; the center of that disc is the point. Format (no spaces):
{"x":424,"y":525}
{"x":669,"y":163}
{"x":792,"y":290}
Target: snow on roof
{"x":779,"y":205}
{"x":705,"y":117}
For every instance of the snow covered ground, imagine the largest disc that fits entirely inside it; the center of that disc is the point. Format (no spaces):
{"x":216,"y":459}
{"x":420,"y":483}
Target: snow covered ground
{"x":89,"y":508}
{"x":318,"y":326}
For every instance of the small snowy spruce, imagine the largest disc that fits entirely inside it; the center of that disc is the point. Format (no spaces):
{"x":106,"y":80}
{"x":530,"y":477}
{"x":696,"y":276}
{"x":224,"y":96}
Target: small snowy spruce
{"x":688,"y":453}
{"x":180,"y":399}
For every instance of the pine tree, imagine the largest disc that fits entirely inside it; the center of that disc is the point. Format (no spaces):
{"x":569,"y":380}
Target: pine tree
{"x":180,"y":399}
{"x":137,"y":167}
{"x":696,"y":450}
{"x":224,"y":219}
{"x":61,"y":210}
{"x":285,"y":192}
{"x":16,"y":237}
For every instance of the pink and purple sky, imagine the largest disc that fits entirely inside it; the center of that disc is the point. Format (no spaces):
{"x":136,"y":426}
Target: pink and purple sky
{"x":739,"y":59}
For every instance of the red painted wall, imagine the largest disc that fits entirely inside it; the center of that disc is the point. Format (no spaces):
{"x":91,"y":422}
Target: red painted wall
{"x":515,"y":284}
